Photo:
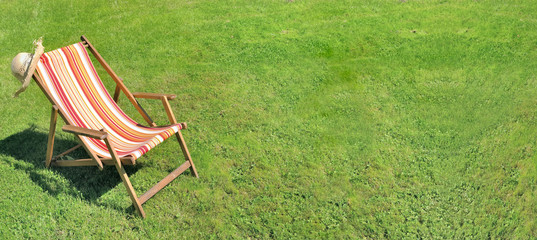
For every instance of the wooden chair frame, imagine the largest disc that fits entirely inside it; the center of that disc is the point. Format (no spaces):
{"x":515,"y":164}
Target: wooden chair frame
{"x":102,"y":135}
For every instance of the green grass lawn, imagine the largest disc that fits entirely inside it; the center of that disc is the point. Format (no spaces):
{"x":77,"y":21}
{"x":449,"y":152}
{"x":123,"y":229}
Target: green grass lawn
{"x":307,"y":119}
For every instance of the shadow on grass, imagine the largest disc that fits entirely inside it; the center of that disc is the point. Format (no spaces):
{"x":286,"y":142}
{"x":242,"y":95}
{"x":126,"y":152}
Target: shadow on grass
{"x":28,"y":148}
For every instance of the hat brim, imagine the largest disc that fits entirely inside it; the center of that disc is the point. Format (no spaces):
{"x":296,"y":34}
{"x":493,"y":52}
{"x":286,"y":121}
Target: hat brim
{"x":31,"y":69}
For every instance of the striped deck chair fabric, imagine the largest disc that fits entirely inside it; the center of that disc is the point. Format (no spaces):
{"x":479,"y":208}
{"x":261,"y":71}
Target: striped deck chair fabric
{"x":71,"y":80}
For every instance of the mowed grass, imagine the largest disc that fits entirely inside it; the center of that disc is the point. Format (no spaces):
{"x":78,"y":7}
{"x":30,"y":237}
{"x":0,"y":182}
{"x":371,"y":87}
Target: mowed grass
{"x":307,"y":119}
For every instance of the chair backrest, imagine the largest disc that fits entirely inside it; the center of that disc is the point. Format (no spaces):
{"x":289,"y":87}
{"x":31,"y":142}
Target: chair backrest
{"x":69,"y":77}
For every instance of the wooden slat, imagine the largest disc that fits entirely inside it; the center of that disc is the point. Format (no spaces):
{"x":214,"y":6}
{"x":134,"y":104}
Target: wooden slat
{"x":117,"y":91}
{"x":116,"y":94}
{"x":165,"y":181}
{"x":66,"y":152}
{"x":51,"y":135}
{"x":168,"y":109}
{"x":153,"y":95}
{"x":85,"y":132}
{"x":179,"y":136}
{"x":92,"y":154}
{"x":121,"y":170}
{"x":170,"y":114}
{"x":118,"y":81}
{"x":89,"y":162}
{"x":186,"y":153}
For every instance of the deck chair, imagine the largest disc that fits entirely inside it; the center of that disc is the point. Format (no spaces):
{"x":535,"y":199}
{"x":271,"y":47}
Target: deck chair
{"x":70,"y":81}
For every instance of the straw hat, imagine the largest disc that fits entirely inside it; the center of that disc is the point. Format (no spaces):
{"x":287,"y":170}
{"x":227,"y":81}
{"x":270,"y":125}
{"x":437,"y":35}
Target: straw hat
{"x":23,"y":65}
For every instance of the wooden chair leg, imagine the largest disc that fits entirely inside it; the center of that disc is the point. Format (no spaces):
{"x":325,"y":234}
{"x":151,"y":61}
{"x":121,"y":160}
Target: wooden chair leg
{"x":116,"y":94}
{"x":186,"y":153}
{"x":92,"y":154}
{"x":51,"y":135}
{"x":125,"y":178}
{"x":179,"y":136}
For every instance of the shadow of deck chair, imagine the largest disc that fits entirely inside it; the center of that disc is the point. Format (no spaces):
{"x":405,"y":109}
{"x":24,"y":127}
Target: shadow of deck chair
{"x":69,"y":80}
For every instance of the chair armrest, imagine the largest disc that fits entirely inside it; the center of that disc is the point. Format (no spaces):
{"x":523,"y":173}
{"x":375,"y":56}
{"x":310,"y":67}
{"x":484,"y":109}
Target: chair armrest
{"x":153,"y":95}
{"x":85,"y":132}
